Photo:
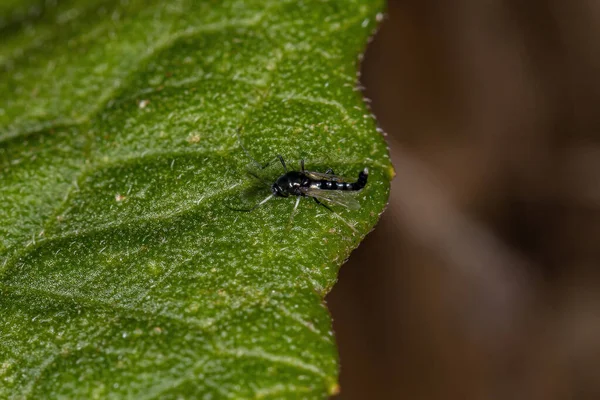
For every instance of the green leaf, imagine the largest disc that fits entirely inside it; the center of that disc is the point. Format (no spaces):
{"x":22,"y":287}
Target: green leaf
{"x":123,"y":273}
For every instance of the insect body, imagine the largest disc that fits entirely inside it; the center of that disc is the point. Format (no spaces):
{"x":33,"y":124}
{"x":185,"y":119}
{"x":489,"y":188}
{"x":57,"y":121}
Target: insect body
{"x":319,"y":186}
{"x":306,"y":183}
{"x":326,"y":187}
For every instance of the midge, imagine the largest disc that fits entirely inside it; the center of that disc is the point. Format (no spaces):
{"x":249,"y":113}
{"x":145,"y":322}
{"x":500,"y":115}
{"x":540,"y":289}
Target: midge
{"x":326,"y":187}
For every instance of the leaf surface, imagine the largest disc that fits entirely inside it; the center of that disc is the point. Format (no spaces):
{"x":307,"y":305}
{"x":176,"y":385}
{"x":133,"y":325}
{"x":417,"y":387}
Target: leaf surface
{"x":123,"y":272}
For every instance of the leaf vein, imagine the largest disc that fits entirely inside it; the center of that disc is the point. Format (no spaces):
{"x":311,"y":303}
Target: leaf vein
{"x":241,"y":352}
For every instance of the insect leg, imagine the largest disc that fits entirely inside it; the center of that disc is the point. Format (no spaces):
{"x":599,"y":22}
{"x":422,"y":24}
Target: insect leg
{"x":302,"y":164}
{"x":322,"y":204}
{"x":273,"y":161}
{"x":259,"y":165}
{"x":337,"y":215}
{"x":237,"y":131}
{"x":252,"y":208}
{"x":282,"y":162}
{"x":330,"y":171}
{"x":294,"y":210}
{"x":297,"y":202}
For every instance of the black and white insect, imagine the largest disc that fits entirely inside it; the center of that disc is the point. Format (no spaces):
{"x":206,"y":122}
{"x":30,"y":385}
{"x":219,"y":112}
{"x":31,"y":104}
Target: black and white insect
{"x":322,"y":187}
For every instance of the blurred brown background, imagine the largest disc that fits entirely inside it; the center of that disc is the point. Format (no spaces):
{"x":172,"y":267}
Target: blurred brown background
{"x":482,"y":279}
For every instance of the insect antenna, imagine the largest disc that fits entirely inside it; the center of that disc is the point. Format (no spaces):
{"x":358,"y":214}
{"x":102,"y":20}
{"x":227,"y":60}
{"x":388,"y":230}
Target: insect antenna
{"x":279,"y":158}
{"x":239,"y":138}
{"x":261,"y":180}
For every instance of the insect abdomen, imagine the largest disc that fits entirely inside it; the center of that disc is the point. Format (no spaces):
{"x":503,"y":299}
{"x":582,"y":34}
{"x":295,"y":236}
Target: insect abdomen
{"x":333,"y":185}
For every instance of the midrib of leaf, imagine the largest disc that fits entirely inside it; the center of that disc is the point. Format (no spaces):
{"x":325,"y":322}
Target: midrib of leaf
{"x":26,"y":257}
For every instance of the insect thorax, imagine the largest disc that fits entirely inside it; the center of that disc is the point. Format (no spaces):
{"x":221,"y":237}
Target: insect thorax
{"x":290,"y":184}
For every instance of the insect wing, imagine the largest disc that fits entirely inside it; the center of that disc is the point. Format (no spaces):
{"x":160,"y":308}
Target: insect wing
{"x":328,"y":177}
{"x":338,"y":198}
